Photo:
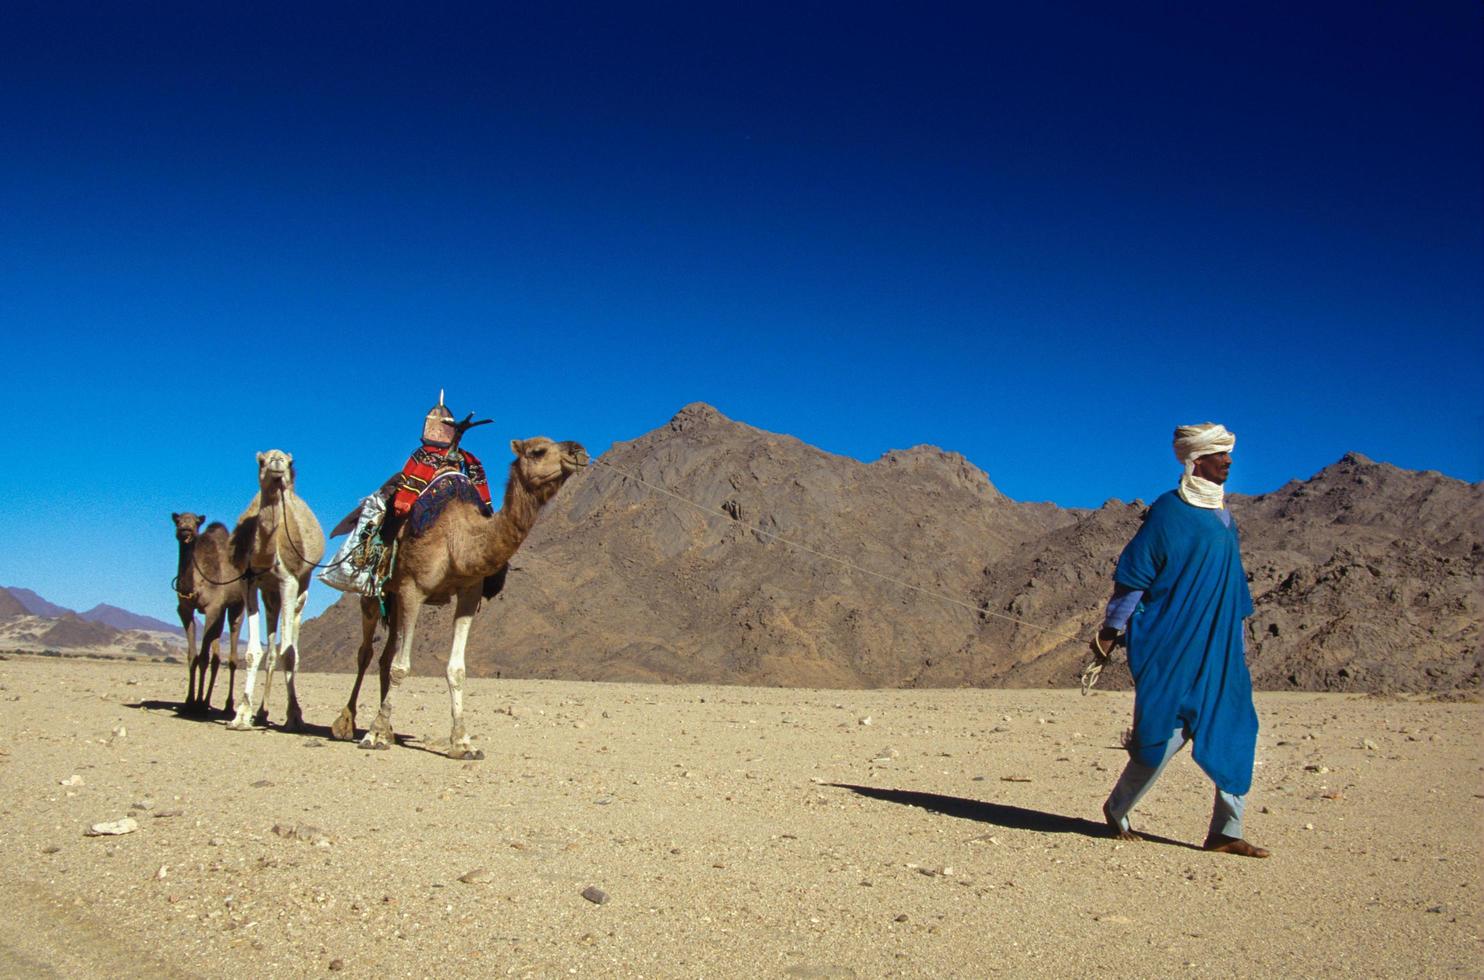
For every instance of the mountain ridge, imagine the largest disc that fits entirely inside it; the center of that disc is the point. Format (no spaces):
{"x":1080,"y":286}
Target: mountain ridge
{"x":787,"y":565}
{"x":109,"y":615}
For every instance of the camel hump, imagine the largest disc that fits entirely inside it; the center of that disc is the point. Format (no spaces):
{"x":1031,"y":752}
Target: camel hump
{"x":253,"y":506}
{"x":213,"y":546}
{"x":244,"y":537}
{"x":432,"y":502}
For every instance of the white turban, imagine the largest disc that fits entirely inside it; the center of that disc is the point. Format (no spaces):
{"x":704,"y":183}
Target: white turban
{"x":1191,"y":443}
{"x":1195,"y":441}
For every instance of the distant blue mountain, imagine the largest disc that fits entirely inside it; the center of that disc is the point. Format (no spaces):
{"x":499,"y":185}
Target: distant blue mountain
{"x":37,"y":606}
{"x":122,"y":619}
{"x":119,"y":619}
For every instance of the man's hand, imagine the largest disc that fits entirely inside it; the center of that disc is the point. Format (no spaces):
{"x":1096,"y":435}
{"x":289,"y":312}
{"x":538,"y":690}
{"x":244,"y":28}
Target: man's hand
{"x":1104,"y":641}
{"x":401,"y":507}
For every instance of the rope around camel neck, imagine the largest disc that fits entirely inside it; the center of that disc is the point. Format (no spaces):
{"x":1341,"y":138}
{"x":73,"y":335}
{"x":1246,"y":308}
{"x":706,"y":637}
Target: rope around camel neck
{"x":283,"y":526}
{"x":249,"y":573}
{"x":714,"y":512}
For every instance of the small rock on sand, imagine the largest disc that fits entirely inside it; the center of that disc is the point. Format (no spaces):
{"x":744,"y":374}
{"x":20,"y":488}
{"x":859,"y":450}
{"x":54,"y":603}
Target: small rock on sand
{"x":113,"y":828}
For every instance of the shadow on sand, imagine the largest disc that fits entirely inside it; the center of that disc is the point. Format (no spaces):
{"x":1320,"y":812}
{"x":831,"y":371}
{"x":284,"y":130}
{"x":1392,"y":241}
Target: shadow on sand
{"x":220,"y":717}
{"x":204,"y":715}
{"x":1000,"y":814}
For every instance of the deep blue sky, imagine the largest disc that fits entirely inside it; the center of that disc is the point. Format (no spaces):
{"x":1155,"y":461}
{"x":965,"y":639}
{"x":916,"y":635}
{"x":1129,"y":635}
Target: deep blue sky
{"x":1040,"y":235}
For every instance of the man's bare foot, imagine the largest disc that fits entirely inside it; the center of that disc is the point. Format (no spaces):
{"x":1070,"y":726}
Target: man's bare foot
{"x":1119,"y":830}
{"x":1222,"y":844}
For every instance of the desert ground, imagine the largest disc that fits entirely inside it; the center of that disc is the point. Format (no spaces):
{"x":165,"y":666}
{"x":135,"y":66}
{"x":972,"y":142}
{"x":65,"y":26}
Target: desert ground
{"x":718,"y":831}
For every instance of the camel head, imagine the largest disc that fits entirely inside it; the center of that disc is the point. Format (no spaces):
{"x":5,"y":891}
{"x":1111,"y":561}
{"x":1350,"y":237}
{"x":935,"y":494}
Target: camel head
{"x":542,"y":466}
{"x":187,"y":526}
{"x":275,"y":470}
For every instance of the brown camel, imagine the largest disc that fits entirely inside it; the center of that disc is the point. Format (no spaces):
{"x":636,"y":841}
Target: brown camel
{"x":278,"y":541}
{"x":453,"y":558}
{"x":207,"y":580}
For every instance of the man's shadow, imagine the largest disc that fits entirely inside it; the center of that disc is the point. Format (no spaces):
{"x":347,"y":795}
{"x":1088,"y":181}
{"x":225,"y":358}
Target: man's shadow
{"x":1000,"y":814}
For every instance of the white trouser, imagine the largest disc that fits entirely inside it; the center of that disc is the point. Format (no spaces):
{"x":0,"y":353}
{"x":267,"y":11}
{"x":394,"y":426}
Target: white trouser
{"x":1226,"y":812}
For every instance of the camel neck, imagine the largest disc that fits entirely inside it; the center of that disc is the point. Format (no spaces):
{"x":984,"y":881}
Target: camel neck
{"x":507,"y":530}
{"x":517,"y":510}
{"x":185,"y":568}
{"x":521,"y":507}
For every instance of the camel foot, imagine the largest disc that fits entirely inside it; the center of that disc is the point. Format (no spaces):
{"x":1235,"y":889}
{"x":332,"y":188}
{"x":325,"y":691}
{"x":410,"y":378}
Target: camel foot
{"x":261,"y":718}
{"x":377,"y":740}
{"x":294,"y":722}
{"x":240,"y":721}
{"x":466,"y":755}
{"x":344,"y":728}
{"x":230,"y":707}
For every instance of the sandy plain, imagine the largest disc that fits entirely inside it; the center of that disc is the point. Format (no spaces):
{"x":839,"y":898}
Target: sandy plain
{"x":734,"y":832}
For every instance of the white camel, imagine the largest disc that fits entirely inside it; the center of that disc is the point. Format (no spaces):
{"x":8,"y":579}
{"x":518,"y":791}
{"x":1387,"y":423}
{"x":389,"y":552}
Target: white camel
{"x":278,"y":541}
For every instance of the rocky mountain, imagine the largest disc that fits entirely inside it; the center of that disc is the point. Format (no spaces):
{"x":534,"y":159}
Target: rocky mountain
{"x":23,"y":628}
{"x":113,"y":616}
{"x":72,"y":631}
{"x":35,"y":604}
{"x":709,"y":551}
{"x":10,"y":605}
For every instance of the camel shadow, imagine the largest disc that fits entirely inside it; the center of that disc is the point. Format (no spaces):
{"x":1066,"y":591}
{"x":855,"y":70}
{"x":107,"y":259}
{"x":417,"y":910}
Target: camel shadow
{"x":220,"y":717}
{"x":178,"y":709}
{"x":403,"y":742}
{"x":1000,"y":814}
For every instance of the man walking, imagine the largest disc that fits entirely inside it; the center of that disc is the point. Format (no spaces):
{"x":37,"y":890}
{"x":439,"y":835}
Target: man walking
{"x":1181,"y":596}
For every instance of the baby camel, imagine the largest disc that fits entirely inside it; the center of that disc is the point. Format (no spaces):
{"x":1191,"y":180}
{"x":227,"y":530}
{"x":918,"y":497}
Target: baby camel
{"x":207,"y":580}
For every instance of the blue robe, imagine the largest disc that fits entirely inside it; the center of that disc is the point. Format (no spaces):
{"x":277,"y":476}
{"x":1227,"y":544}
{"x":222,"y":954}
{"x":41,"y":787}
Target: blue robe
{"x":1185,"y":641}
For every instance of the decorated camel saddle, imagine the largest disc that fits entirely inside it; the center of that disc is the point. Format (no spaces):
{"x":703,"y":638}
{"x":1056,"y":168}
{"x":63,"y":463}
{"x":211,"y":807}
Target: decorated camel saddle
{"x":434,"y":476}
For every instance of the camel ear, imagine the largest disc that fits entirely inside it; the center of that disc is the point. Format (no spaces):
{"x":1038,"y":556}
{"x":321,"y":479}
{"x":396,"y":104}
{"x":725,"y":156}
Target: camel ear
{"x":202,"y":519}
{"x":174,"y":516}
{"x":517,"y":447}
{"x":260,"y":458}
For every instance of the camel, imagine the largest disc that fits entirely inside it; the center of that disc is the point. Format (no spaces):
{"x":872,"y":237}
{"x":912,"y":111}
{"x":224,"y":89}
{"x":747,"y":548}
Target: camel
{"x":207,"y":580}
{"x":277,"y":541}
{"x":453,"y":558}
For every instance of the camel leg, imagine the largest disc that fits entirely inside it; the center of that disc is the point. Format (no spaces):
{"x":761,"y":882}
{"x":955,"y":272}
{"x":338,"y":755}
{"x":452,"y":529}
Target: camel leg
{"x":384,"y":667}
{"x":242,"y":719}
{"x":200,"y":656}
{"x":459,"y":746}
{"x":293,"y":611}
{"x":234,"y":623}
{"x":380,"y":734}
{"x":273,"y":614}
{"x":188,"y":623}
{"x":211,"y":634}
{"x":207,"y":684}
{"x":344,"y":727}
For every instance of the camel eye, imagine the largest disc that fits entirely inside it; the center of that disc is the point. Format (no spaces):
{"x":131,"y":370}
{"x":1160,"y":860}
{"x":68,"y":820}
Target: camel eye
{"x":537,"y":453}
